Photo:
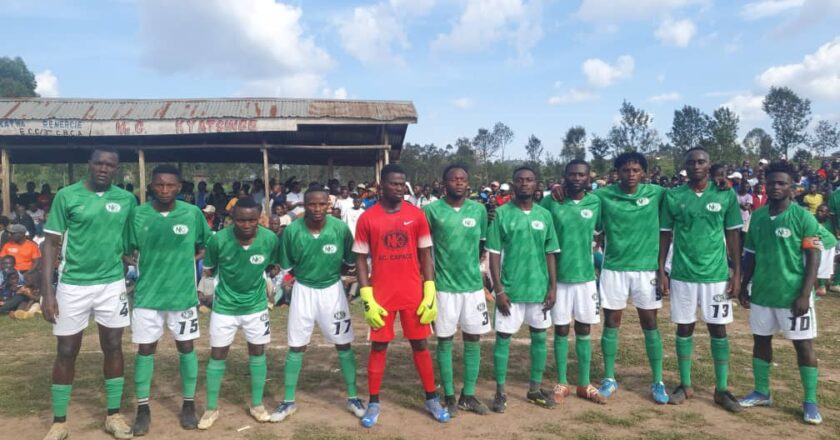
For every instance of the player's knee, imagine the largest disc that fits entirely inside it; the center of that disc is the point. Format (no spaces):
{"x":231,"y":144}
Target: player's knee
{"x":184,"y":347}
{"x":536,"y":330}
{"x":471,"y":337}
{"x":503,"y":335}
{"x":300,"y":349}
{"x":448,"y":338}
{"x":378,"y":346}
{"x":418,"y":344}
{"x":339,"y":347}
{"x":111,"y":343}
{"x":67,"y":351}
{"x":805,"y":354}
{"x":561,"y":330}
{"x":256,"y":350}
{"x":582,"y":329}
{"x":148,"y":349}
{"x":686,"y":330}
{"x":717,"y":331}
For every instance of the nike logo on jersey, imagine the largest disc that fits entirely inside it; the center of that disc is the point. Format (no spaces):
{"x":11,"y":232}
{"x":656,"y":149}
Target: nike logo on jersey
{"x":408,"y":222}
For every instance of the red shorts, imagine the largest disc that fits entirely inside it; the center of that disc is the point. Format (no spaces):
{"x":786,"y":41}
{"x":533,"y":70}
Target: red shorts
{"x":410,"y":322}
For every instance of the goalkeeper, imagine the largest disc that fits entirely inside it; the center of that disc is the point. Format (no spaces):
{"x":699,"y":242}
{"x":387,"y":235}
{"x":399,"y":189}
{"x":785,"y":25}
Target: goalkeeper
{"x":395,"y":236}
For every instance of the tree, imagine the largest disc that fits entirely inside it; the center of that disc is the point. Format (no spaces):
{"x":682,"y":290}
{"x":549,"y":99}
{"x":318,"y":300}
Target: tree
{"x":502,"y":136}
{"x":690,"y":129}
{"x":485,"y":147}
{"x":802,"y":155}
{"x":574,"y":144}
{"x":16,"y":81}
{"x":758,"y":143}
{"x":723,"y":146}
{"x":600,"y":149}
{"x":534,"y":149}
{"x":634,"y":132}
{"x":826,"y":138}
{"x":791,"y":116}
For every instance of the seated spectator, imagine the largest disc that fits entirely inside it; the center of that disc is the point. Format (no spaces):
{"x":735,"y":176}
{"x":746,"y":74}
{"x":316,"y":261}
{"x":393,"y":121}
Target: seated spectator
{"x":28,"y":298}
{"x":285,"y":218}
{"x":38,"y":216}
{"x":25,"y":252}
{"x":22,"y":218}
{"x":11,"y":282}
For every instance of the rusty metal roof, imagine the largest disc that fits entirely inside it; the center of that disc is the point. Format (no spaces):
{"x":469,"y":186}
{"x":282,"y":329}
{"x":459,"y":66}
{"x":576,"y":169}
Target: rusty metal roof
{"x":171,"y":109}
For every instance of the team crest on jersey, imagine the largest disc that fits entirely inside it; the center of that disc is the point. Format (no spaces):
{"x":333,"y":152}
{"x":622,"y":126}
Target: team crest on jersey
{"x":264,"y":317}
{"x":113,"y":207}
{"x":257,"y":259}
{"x":643,"y":201}
{"x":329,"y":248}
{"x":339,"y":315}
{"x":180,"y":229}
{"x":396,"y":239}
{"x":713,"y":207}
{"x":468,"y":222}
{"x":783,"y":232}
{"x":718,"y":298}
{"x":481,"y":307}
{"x":586,"y":213}
{"x":187,"y":314}
{"x":538,"y":225}
{"x":123,"y":297}
{"x":653,"y":282}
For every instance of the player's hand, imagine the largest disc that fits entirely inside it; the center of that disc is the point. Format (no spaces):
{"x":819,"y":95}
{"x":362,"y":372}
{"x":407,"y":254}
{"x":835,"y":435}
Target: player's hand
{"x":733,"y":288}
{"x":503,"y":303}
{"x":801,"y":305}
{"x":744,"y":297}
{"x":428,"y":307}
{"x":49,"y":307}
{"x":373,"y":311}
{"x":664,"y":284}
{"x":557,"y":192}
{"x":550,"y":299}
{"x":491,"y":213}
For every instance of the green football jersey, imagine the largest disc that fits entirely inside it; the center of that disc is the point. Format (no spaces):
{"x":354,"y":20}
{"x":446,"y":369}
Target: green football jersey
{"x":456,"y":236}
{"x":834,"y":207}
{"x":523,"y":239}
{"x":93,"y":226}
{"x":828,"y":239}
{"x":576,"y":222}
{"x":777,"y":245}
{"x":240,"y":270}
{"x":316,"y":261}
{"x":631,"y":227}
{"x":166,"y":245}
{"x":698,"y":222}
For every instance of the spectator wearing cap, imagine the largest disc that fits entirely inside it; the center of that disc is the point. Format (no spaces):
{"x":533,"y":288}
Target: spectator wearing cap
{"x":21,"y":217}
{"x":26,"y":253}
{"x":736,"y":178}
{"x":369,"y":197}
{"x":210,"y":215}
{"x":504,"y":194}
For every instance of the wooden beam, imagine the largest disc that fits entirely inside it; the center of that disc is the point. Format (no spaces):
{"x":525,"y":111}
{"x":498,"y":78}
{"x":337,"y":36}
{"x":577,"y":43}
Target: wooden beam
{"x":387,"y":156}
{"x":7,"y":187}
{"x":266,"y":200}
{"x":141,"y":165}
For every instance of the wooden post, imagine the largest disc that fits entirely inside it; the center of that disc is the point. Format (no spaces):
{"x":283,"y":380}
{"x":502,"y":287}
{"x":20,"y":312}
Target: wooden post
{"x":388,"y":156}
{"x":7,"y":187}
{"x":376,"y":170}
{"x":141,"y":162}
{"x":330,"y":174}
{"x":266,"y":200}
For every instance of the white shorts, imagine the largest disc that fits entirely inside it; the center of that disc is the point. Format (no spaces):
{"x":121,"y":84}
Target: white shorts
{"x":107,"y":302}
{"x":640,"y":286}
{"x":530,"y":313}
{"x":257,"y":328}
{"x":467,"y":310}
{"x":147,"y":325}
{"x":767,"y":321}
{"x":715,"y":307}
{"x":328,"y":307}
{"x":826,"y":269}
{"x":578,"y":300}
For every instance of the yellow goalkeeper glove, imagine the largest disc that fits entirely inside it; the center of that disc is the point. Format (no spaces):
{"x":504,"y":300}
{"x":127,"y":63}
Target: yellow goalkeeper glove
{"x":373,"y":311}
{"x":428,"y":307}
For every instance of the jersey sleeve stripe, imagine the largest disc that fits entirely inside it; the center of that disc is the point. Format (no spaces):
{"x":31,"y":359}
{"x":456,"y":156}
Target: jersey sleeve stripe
{"x":424,"y":242}
{"x":735,"y":227}
{"x":361,"y":248}
{"x":749,"y":250}
{"x":494,"y":251}
{"x":50,"y":231}
{"x":665,"y":229}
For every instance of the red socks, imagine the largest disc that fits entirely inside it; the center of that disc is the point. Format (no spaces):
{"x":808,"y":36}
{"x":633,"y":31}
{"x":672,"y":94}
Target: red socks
{"x":376,"y":369}
{"x":423,"y":363}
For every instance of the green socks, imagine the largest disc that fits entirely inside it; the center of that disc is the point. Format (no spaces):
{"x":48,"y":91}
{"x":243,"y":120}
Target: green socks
{"x":347,"y":361}
{"x":259,"y":372}
{"x":113,"y":392}
{"x":561,"y":357}
{"x":761,"y":375}
{"x":720,"y":354}
{"x":539,"y":353}
{"x":144,"y":367}
{"x":60,"y":399}
{"x":472,"y":360}
{"x":215,"y":372}
{"x":685,"y":345}
{"x":189,"y":373}
{"x":444,"y":360}
{"x":583,"y":350}
{"x":501,"y":350}
{"x":291,"y":372}
{"x":653,"y":347}
{"x":808,"y":375}
{"x":609,"y":348}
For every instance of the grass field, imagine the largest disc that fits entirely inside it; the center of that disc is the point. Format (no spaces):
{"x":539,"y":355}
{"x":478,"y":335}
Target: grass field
{"x":26,"y":357}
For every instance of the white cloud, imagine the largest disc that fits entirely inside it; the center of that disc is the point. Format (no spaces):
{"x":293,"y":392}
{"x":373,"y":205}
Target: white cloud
{"x":625,"y":10}
{"x":675,"y":32}
{"x":573,"y":96}
{"x":339,"y":93}
{"x":487,"y":22}
{"x":47,"y":84}
{"x":413,"y":7}
{"x":665,"y":97}
{"x":259,"y":41}
{"x":768,"y":8}
{"x":599,"y":73}
{"x":812,"y":13}
{"x":374,"y":35}
{"x":817,"y":76}
{"x":747,"y":106}
{"x":463,"y":103}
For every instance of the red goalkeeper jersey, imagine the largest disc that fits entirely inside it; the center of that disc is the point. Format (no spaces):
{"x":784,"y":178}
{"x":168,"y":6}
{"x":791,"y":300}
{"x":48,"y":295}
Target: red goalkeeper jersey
{"x":392,"y":241}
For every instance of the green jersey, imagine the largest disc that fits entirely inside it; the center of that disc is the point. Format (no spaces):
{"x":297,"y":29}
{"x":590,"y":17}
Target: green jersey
{"x":698,"y":221}
{"x":576,"y":221}
{"x":166,"y":245}
{"x":777,"y":245}
{"x":631,"y":227}
{"x":456,"y":235}
{"x":834,"y":207}
{"x":523,"y":239}
{"x":828,"y":239}
{"x":316,"y":259}
{"x":93,"y":226}
{"x":240,"y":270}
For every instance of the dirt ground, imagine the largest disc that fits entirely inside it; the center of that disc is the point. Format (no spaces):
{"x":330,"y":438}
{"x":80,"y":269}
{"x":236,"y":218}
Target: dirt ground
{"x":27,"y":356}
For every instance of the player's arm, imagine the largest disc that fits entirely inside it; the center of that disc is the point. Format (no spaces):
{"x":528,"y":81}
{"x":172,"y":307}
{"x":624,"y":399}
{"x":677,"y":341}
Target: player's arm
{"x":502,"y":300}
{"x":666,"y":235}
{"x":551,"y":294}
{"x":51,"y":246}
{"x":811,"y":250}
{"x":733,"y":245}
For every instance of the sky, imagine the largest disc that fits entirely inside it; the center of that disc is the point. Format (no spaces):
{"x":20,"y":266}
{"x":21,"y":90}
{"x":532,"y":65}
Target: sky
{"x":539,"y":66}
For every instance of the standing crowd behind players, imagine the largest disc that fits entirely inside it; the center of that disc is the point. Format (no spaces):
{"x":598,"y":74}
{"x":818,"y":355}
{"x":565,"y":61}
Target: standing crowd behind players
{"x":417,"y":253}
